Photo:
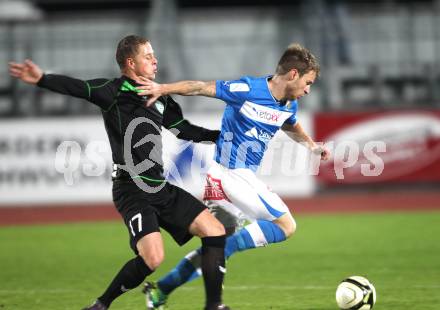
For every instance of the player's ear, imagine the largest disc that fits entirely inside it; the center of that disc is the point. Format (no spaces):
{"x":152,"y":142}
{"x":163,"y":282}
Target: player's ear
{"x":129,"y":63}
{"x":293,"y":74}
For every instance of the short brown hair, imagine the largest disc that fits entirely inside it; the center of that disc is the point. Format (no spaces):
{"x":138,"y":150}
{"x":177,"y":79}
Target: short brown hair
{"x":128,"y":47}
{"x":297,"y":57}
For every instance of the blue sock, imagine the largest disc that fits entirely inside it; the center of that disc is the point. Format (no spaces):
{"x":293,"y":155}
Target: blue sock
{"x":264,"y":232}
{"x":245,"y":238}
{"x":239,"y":241}
{"x":272,"y":232}
{"x":184,"y":271}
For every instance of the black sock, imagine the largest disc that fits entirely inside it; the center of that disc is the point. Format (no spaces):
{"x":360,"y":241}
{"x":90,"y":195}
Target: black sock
{"x":129,"y":277}
{"x":213,"y":268}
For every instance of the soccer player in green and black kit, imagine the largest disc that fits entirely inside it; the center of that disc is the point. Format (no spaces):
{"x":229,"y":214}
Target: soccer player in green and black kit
{"x":141,"y":195}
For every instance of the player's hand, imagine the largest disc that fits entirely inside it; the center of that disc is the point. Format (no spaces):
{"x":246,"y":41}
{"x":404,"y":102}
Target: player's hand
{"x":27,"y":71}
{"x":321,"y":151}
{"x":149,"y":88}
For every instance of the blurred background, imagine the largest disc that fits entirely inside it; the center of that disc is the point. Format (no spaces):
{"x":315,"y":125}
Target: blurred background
{"x":380,"y":81}
{"x":376,"y":105}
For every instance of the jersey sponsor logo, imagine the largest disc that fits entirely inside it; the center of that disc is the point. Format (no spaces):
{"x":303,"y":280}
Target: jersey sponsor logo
{"x":159,"y":106}
{"x":234,"y":87}
{"x":252,"y":133}
{"x":261,"y":135}
{"x":214,"y":189}
{"x":263,"y":114}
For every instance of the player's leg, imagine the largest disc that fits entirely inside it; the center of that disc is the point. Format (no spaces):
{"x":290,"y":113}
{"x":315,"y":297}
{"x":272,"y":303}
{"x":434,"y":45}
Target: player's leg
{"x":145,"y":241}
{"x":134,"y":272}
{"x":274,"y":222}
{"x":212,"y":233}
{"x":241,"y":189}
{"x":241,"y":193}
{"x":186,"y":217}
{"x":256,"y":234}
{"x":287,"y":224}
{"x":189,"y":267}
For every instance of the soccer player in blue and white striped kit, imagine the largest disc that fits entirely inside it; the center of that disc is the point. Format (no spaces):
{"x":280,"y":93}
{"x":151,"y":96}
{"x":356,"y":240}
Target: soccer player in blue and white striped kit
{"x":256,"y":108}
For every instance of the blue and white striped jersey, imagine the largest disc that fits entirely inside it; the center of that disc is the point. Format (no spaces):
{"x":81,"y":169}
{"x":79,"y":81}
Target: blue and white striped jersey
{"x":251,"y":118}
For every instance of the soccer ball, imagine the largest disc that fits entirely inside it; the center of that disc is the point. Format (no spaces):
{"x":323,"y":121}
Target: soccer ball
{"x":356,"y":293}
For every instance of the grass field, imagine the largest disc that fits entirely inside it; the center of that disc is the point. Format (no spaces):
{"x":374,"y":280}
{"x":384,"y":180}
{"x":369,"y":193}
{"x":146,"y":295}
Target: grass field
{"x":67,"y":266}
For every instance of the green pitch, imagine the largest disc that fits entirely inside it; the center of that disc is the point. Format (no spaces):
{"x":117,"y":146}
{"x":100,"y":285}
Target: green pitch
{"x":67,"y":266}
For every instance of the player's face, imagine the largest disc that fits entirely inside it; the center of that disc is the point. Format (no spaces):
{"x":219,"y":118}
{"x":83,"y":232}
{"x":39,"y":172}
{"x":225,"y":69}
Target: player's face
{"x":300,"y":86}
{"x":144,"y":63}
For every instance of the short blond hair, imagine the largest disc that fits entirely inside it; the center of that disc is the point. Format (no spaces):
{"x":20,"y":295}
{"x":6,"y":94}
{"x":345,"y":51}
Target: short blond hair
{"x":128,"y":47}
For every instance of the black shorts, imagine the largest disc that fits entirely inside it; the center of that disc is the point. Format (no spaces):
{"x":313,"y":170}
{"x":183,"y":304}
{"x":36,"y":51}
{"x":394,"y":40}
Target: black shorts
{"x":171,"y":208}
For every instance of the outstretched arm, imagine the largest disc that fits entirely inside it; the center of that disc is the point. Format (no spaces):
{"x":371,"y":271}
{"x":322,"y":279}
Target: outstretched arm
{"x":32,"y":74}
{"x":91,"y":90}
{"x":297,"y":133}
{"x":184,"y":88}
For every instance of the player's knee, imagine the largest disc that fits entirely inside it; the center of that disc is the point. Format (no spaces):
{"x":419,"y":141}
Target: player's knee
{"x":215,"y":228}
{"x":291,"y":228}
{"x":153,"y":260}
{"x":206,"y":225}
{"x":288,"y":227}
{"x":287,"y":224}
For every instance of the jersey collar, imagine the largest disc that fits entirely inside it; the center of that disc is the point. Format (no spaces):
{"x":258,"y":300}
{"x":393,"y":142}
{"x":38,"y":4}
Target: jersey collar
{"x":280,"y":103}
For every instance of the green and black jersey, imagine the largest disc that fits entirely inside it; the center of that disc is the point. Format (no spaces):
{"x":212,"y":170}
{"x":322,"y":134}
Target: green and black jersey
{"x":129,"y":122}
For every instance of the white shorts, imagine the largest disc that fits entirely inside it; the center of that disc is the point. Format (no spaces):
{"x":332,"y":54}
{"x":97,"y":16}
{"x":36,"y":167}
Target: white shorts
{"x":240,"y":193}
